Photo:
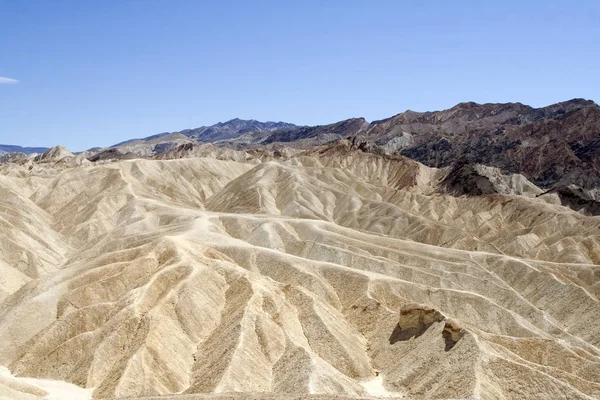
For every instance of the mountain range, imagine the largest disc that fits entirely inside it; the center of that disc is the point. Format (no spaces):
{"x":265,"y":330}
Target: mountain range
{"x":5,"y":149}
{"x":253,"y":260}
{"x":553,"y":146}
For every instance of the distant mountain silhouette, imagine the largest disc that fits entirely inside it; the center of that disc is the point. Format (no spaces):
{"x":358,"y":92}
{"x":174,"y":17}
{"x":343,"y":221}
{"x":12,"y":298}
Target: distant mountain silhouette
{"x":6,"y":148}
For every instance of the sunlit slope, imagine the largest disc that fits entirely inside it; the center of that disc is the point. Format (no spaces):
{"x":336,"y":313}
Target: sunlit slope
{"x":322,"y":273}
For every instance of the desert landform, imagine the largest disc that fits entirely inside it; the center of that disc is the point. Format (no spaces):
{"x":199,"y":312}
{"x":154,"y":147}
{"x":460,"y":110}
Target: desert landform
{"x":441,"y":255}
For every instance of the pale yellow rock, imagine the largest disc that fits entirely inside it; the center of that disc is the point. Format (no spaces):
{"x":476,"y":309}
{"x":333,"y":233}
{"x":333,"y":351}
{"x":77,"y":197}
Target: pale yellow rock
{"x":328,"y":273}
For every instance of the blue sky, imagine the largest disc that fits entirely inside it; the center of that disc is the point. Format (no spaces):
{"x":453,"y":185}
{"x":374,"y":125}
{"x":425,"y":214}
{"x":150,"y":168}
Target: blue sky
{"x":93,"y":73}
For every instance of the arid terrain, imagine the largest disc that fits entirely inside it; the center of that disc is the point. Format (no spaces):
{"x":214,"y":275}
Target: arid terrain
{"x":318,"y":271}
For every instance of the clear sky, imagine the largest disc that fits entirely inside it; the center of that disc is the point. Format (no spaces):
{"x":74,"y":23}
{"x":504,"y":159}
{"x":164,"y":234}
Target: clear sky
{"x":93,"y":73}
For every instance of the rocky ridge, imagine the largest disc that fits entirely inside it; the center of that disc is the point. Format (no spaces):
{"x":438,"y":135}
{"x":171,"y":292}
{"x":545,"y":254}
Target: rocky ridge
{"x":553,"y":145}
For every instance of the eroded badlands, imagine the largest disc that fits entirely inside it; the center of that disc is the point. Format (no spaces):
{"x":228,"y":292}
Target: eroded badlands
{"x":330,"y":272}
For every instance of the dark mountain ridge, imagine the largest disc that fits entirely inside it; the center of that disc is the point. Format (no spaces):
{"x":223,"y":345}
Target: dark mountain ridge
{"x":553,"y":146}
{"x":221,"y":131}
{"x":557,"y":144}
{"x":7,"y":148}
{"x":547,"y":145}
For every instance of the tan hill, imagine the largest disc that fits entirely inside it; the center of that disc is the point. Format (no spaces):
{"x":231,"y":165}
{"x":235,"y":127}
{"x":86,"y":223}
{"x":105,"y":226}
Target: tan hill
{"x":328,"y":273}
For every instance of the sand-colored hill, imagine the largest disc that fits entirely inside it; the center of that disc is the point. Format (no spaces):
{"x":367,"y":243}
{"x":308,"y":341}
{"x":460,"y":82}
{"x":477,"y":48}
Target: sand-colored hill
{"x":331,"y":273}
